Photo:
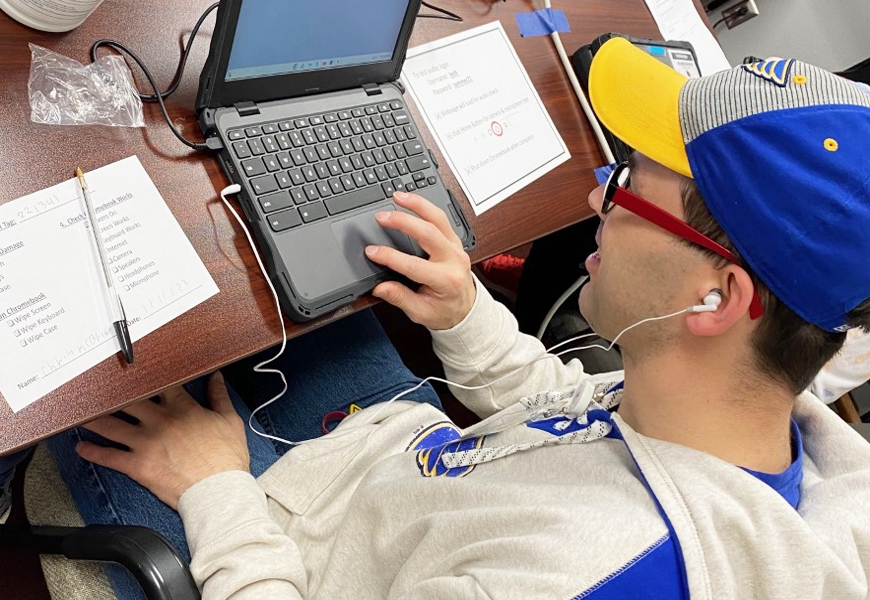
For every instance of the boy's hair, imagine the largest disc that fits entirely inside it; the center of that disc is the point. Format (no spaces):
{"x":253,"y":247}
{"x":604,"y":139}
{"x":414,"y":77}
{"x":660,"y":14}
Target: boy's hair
{"x":787,"y":349}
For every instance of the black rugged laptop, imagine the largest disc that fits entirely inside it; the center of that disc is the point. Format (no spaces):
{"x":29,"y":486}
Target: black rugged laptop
{"x":306,"y":100}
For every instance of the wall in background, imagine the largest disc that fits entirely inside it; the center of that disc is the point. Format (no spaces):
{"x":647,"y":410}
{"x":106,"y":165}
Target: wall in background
{"x":832,"y":34}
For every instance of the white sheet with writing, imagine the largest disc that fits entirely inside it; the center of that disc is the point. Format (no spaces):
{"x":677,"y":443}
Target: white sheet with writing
{"x":484,"y":112}
{"x":54,"y":322}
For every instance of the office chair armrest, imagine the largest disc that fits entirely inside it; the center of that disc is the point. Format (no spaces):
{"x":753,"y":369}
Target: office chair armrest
{"x":152,"y":560}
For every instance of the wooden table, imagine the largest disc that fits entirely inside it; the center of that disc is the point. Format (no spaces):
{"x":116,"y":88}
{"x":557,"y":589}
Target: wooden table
{"x":241,"y":319}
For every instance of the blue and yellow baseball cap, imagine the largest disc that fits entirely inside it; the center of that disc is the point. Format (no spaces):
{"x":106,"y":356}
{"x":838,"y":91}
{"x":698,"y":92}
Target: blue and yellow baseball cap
{"x":780,"y":151}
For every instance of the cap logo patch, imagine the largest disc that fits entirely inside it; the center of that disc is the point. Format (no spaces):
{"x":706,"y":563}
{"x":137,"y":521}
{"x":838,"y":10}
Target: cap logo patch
{"x":775,"y":71}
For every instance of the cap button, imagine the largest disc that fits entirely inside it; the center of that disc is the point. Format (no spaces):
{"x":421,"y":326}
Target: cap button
{"x":831,"y":145}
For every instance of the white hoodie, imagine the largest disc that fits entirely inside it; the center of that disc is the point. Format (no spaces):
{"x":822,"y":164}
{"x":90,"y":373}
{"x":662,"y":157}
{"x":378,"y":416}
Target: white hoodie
{"x":550,"y":510}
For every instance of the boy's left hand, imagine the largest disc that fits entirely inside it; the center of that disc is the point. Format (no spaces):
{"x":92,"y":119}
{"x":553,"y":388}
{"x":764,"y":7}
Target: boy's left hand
{"x":176,"y":443}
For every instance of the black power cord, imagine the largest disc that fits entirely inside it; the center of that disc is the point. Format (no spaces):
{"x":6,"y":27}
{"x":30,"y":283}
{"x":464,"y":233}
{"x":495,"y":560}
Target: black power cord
{"x":445,"y":14}
{"x":158,"y":96}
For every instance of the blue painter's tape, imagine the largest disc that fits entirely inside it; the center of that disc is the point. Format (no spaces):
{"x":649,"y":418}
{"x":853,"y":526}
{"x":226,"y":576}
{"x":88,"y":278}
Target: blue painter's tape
{"x":656,"y":50}
{"x":602,"y":173}
{"x":542,"y":22}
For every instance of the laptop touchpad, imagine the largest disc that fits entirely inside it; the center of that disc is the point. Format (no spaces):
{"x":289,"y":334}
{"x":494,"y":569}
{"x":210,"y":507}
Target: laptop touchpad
{"x":355,"y":233}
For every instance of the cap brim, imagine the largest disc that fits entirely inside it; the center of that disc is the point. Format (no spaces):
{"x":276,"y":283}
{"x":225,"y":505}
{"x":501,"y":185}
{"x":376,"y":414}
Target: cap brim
{"x":637,"y":98}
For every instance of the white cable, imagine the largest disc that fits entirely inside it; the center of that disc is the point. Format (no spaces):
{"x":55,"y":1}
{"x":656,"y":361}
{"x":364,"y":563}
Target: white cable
{"x":559,"y":302}
{"x":235,"y":189}
{"x":584,"y":103}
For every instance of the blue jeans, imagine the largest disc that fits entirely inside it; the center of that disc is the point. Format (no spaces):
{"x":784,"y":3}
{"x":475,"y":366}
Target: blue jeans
{"x":349,"y":361}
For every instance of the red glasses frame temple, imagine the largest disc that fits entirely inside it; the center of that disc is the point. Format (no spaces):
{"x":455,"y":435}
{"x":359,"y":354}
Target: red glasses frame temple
{"x":657,"y":216}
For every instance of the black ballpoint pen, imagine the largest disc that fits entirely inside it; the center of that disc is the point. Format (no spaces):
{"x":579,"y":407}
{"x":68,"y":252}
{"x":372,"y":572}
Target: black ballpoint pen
{"x":115,"y":305}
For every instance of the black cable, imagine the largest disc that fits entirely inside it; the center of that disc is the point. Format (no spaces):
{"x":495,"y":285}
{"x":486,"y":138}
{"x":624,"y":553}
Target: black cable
{"x":717,"y":23}
{"x":158,"y":96}
{"x":445,"y":14}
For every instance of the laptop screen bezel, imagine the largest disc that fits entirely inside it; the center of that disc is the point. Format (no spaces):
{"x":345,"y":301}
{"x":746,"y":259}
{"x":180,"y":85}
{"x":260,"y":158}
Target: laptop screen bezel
{"x":219,"y":92}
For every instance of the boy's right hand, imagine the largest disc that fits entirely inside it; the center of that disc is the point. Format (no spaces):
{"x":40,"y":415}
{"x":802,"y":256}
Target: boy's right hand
{"x":447,"y":290}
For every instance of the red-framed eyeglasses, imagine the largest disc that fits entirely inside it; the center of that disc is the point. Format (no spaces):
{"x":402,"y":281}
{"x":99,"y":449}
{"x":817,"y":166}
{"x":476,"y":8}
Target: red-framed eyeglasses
{"x":615,"y":194}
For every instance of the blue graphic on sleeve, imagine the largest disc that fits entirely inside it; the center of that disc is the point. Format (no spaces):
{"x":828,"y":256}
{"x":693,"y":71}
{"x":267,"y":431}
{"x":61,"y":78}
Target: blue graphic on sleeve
{"x":435,"y":441}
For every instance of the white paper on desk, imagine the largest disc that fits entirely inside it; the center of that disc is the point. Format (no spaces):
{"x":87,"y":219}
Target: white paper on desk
{"x":679,"y":20}
{"x":484,"y":113}
{"x":54,"y":321}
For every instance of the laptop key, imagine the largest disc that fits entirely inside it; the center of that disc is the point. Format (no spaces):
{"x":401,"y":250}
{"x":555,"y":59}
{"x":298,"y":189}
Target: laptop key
{"x":322,"y":171}
{"x":395,"y":105}
{"x":272,"y":164}
{"x":253,"y":167}
{"x":398,"y":185}
{"x":390,"y":136}
{"x":241,"y":149}
{"x":346,"y":164}
{"x":270,"y":128}
{"x":357,"y":112}
{"x":381,"y":173}
{"x":379,"y":138}
{"x":309,"y":137}
{"x":355,"y":199}
{"x":388,"y":152}
{"x":388,"y":121}
{"x":358,"y":144}
{"x":283,"y":141}
{"x":253,"y":131}
{"x":236,"y":134}
{"x":410,"y":187}
{"x":313,"y":212}
{"x":401,"y":167}
{"x":360,"y":180}
{"x":413,"y":148}
{"x":298,"y":196}
{"x":316,"y":120}
{"x":311,"y":154}
{"x":400,"y":134}
{"x":264,"y":185}
{"x":335,"y":149}
{"x":430,"y":180}
{"x":309,"y":173}
{"x":368,"y":159}
{"x":419,"y":176}
{"x":297,"y":139}
{"x":274,"y":202}
{"x":298,"y":157}
{"x":321,"y":134}
{"x":370,"y":176}
{"x":335,"y":186}
{"x":378,"y":122}
{"x":300,"y":123}
{"x":358,"y":163}
{"x":392,"y":171}
{"x":285,"y":125}
{"x":333,"y":131}
{"x":324,"y":189}
{"x":369,"y":141}
{"x":347,"y":146}
{"x":384,"y":107}
{"x":334,"y":167}
{"x":285,"y":220}
{"x":330,"y":118}
{"x":310,"y":192}
{"x":269,"y":144}
{"x":284,"y":180}
{"x":344,"y":129}
{"x":418,"y":163}
{"x":323,"y":152}
{"x":296,"y":176}
{"x":371,"y":109}
{"x":356,"y":128}
{"x":344,"y":115}
{"x":409,"y":131}
{"x":367,"y":125}
{"x":401,"y":118}
{"x":348,"y":183}
{"x":379,"y":156}
{"x":256,"y":147}
{"x":399,"y":149}
{"x":388,"y":188}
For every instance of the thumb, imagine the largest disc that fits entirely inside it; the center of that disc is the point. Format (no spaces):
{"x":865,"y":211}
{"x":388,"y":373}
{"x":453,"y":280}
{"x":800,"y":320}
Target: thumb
{"x":219,"y":396}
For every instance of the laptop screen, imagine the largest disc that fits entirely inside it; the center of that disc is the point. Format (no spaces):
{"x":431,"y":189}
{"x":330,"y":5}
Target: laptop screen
{"x":279,"y":37}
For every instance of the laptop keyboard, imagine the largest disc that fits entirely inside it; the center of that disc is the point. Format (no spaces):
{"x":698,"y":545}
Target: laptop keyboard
{"x":304,"y":169}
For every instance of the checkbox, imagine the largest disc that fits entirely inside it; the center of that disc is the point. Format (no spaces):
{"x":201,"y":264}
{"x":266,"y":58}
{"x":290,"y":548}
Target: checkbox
{"x":126,"y":288}
{"x":114,"y":269}
{"x":17,"y":333}
{"x":10,"y":322}
{"x":23,"y":343}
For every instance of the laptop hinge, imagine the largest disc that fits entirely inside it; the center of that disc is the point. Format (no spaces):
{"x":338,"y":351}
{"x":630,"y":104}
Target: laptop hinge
{"x":372,"y":89}
{"x":246,"y":109}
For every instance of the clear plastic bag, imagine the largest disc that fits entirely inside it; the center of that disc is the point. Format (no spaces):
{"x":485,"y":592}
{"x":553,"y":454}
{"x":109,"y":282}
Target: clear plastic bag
{"x":65,"y":92}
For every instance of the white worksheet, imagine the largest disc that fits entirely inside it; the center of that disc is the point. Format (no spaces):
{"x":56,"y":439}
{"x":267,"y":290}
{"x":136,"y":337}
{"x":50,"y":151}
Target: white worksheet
{"x":484,"y":113}
{"x":54,"y":320}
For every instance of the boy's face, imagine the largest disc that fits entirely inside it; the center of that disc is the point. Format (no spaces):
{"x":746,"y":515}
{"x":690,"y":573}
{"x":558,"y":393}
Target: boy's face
{"x":640,"y":270}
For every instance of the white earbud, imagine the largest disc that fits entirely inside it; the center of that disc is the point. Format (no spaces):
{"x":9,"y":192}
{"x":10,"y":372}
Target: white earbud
{"x":710,"y":303}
